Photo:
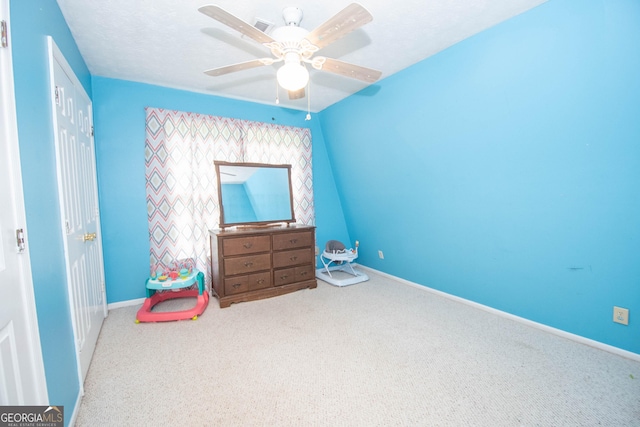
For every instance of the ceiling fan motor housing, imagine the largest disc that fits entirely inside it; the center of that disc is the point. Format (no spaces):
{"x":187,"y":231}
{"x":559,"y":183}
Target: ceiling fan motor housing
{"x":289,"y":33}
{"x":292,"y":15}
{"x":289,"y":39}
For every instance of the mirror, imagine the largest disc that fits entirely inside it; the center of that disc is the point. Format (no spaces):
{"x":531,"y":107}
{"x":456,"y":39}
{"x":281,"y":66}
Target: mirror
{"x":254,"y":193}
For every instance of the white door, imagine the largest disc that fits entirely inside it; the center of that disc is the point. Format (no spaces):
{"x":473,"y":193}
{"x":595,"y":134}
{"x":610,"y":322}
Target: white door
{"x":77,"y":185}
{"x":22,"y":379}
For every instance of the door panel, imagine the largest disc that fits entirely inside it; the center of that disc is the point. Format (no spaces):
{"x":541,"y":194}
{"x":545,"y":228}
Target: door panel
{"x":11,"y":391}
{"x":79,"y":207}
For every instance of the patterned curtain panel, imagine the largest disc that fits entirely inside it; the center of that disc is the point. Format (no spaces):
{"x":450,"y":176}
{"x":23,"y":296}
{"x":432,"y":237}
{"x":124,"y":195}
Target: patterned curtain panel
{"x":182,"y":189}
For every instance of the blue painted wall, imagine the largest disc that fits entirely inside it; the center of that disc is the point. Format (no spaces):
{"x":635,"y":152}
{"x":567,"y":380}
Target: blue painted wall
{"x":119,"y":120}
{"x":506,"y":169}
{"x":31,"y":22}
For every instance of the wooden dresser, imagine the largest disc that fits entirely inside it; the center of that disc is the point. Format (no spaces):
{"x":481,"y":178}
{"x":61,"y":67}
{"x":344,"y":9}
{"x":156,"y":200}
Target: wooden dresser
{"x":250,"y":264}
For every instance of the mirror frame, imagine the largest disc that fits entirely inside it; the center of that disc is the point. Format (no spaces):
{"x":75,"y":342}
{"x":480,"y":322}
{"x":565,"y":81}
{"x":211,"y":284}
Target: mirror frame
{"x":224,"y":224}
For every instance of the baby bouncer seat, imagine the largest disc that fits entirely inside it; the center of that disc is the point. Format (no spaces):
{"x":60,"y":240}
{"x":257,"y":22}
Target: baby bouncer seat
{"x":336,"y":257}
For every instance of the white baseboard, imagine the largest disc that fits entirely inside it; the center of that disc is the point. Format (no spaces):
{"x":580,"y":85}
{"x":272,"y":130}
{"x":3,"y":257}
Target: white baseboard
{"x":127,"y":303}
{"x":559,"y":332}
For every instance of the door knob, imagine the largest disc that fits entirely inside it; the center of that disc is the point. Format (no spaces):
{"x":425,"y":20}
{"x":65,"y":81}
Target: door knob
{"x":89,"y":236}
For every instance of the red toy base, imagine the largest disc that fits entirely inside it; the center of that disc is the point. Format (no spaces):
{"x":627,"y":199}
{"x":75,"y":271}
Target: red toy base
{"x":146,"y":315}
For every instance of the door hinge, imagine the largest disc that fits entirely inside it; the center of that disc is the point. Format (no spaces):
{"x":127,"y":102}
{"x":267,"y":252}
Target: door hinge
{"x":56,"y":93}
{"x":20,"y":240}
{"x":91,"y":130}
{"x":67,"y":226}
{"x":3,"y":34}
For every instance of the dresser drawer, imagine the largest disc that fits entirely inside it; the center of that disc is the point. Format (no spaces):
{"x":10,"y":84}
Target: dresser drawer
{"x":292,"y":240}
{"x":292,"y":275}
{"x":305,"y":272}
{"x":289,"y":258}
{"x":250,"y":282}
{"x":246,"y":245}
{"x":246,"y":264}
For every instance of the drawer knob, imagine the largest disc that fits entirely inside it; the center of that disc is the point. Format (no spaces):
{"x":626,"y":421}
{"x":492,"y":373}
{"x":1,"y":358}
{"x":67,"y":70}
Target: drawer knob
{"x":293,"y":241}
{"x":248,"y":264}
{"x":248,"y":245}
{"x":260,"y":282}
{"x":304,"y":273}
{"x":293,"y":258}
{"x":284,"y":277}
{"x":236,"y":285}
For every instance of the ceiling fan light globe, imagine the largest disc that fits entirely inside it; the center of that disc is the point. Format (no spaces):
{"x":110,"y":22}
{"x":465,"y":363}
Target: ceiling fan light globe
{"x":292,"y":76}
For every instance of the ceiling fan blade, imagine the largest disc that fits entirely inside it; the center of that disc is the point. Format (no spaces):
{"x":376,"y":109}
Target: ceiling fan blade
{"x":350,"y":18}
{"x":239,"y":66}
{"x":236,"y":23}
{"x":346,"y":69}
{"x":296,"y":94}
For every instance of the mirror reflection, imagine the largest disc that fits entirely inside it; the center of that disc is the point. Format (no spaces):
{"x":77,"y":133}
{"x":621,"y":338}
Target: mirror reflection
{"x":255,"y":193}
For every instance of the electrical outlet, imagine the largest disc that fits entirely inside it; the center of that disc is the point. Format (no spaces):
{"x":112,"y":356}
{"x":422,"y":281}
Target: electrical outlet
{"x":621,"y":315}
{"x":317,"y":251}
{"x":380,"y":254}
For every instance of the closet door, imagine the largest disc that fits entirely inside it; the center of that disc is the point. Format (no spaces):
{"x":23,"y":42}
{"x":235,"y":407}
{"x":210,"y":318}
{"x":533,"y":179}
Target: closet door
{"x":77,"y":185}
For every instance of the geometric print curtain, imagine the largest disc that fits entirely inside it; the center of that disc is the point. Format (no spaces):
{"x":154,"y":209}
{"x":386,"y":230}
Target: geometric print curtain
{"x":181,"y":184}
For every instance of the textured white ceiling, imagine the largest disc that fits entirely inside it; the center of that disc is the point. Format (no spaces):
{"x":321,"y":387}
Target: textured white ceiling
{"x":169,"y":43}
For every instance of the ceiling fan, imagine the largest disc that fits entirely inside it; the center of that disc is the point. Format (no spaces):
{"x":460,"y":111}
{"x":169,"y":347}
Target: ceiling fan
{"x":296,"y":46}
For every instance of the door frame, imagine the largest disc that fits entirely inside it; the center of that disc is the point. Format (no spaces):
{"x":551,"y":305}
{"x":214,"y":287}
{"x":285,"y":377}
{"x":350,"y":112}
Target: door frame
{"x":11,"y":134}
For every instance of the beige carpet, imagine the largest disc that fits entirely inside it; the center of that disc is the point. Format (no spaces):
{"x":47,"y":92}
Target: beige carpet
{"x":378,"y":353}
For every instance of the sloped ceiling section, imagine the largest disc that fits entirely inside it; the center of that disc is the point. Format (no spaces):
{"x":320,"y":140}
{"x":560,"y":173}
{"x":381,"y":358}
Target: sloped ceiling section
{"x":169,"y":43}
